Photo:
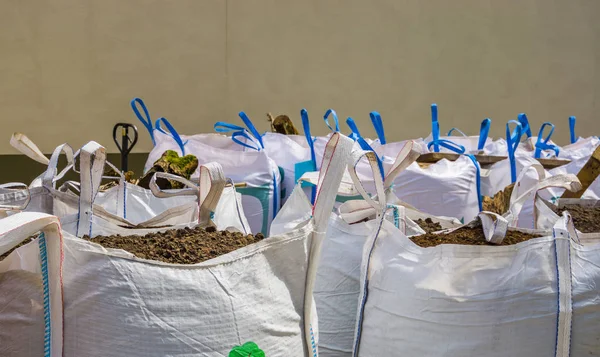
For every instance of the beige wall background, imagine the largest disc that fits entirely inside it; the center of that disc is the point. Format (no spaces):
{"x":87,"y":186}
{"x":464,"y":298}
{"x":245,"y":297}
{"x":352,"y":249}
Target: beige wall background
{"x":68,"y":68}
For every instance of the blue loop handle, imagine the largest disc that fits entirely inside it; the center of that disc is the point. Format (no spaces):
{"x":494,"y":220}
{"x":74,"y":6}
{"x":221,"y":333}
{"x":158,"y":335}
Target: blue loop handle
{"x":572,"y":121}
{"x":542,"y":143}
{"x":335,"y":120}
{"x":452,"y":146}
{"x":378,"y":125}
{"x":222,"y":127}
{"x":252,"y":128}
{"x":363,"y":143}
{"x":166,"y":132}
{"x":435,"y":127}
{"x":365,"y":146}
{"x":236,"y":132}
{"x":147,"y":121}
{"x":478,"y":180}
{"x":245,"y":135}
{"x":512,"y":142}
{"x":484,"y":131}
{"x":525,"y":124}
{"x":173,"y":133}
{"x":355,"y":135}
{"x":249,"y":133}
{"x":309,"y":138}
{"x":311,"y":145}
{"x":455,"y":129}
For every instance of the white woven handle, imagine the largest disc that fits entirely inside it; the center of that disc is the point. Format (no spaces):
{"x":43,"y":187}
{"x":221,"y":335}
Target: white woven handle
{"x":357,"y":155}
{"x":494,"y":226}
{"x":27,"y":147}
{"x":51,"y":175}
{"x":569,"y":182}
{"x":212,"y":183}
{"x":92,"y":159}
{"x":407,"y":155}
{"x":190,"y":190}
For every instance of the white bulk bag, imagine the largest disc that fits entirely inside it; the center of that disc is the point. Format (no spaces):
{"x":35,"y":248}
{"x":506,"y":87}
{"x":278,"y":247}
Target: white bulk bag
{"x":287,"y":151}
{"x":127,"y":201}
{"x":445,"y":188}
{"x":337,"y":284}
{"x":536,"y":298}
{"x":406,"y":154}
{"x":260,"y":293}
{"x":31,"y":290}
{"x":126,"y":204}
{"x":261,"y":195}
{"x":397,"y":158}
{"x":91,"y":219}
{"x":295,"y":154}
{"x":244,"y":161}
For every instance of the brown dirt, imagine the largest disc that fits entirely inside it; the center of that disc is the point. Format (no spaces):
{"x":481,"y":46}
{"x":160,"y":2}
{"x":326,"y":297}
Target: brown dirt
{"x":586,"y":219}
{"x":180,"y":246}
{"x":18,"y":246}
{"x":500,"y":203}
{"x":428,"y":225}
{"x":468,"y":236}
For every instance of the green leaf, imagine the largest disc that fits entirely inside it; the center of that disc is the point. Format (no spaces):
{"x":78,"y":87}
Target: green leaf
{"x":248,"y":349}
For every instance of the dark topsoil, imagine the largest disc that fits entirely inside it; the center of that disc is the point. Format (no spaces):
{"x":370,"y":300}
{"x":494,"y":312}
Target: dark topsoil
{"x":180,"y":246}
{"x":428,"y":225}
{"x":586,"y":219}
{"x":468,"y":236}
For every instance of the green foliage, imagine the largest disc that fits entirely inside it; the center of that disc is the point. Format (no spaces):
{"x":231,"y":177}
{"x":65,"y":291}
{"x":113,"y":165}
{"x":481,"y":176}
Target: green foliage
{"x":248,"y":349}
{"x":184,"y":162}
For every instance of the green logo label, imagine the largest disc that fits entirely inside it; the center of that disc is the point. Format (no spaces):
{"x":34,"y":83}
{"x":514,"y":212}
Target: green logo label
{"x":248,"y":349}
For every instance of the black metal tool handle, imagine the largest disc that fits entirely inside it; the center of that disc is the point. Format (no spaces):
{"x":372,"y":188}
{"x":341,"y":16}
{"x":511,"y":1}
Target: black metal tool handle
{"x":126,"y":142}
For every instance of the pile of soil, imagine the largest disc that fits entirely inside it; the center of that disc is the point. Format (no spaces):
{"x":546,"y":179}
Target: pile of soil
{"x":586,"y":219}
{"x":500,"y":203}
{"x":18,"y":246}
{"x":428,"y":225}
{"x":180,"y":246}
{"x":468,"y":236}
